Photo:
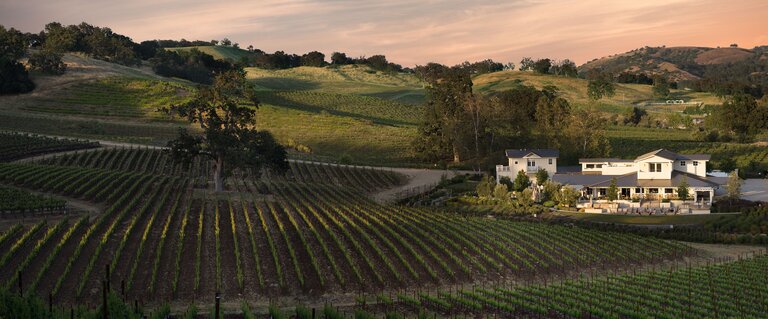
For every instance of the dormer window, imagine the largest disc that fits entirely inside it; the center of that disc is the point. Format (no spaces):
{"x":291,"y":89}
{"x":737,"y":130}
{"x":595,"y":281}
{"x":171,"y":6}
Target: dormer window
{"x":531,"y":163}
{"x":695,"y":163}
{"x":654,"y":167}
{"x":682,"y":163}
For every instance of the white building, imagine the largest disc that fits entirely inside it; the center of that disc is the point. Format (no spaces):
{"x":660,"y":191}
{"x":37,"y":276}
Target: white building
{"x":529,"y":161}
{"x":651,"y":176}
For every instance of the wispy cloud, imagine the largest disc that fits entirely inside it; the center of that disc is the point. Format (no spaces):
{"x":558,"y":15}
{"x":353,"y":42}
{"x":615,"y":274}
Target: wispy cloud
{"x":416,"y":32}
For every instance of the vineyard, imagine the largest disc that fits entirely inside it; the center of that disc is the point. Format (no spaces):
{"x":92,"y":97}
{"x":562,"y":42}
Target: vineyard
{"x":358,"y":106}
{"x":726,"y":290}
{"x":14,"y":146}
{"x":120,"y":97}
{"x":163,"y":240}
{"x":14,"y":200}
{"x":155,"y":161}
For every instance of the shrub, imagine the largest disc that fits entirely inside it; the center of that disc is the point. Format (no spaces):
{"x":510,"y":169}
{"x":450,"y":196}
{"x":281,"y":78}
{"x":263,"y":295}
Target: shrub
{"x":47,"y":62}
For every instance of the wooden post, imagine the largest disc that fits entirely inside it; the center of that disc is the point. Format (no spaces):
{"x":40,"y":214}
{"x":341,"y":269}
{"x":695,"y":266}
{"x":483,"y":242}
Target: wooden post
{"x":107,"y":277}
{"x":218,"y":299}
{"x":104,"y":297}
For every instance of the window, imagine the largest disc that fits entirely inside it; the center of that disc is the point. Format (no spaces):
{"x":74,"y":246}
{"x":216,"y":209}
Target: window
{"x":590,"y":166}
{"x":599,"y":166}
{"x":668,"y":191}
{"x":601,"y":192}
{"x":515,"y":162}
{"x":654,"y":167}
{"x":638,"y":190}
{"x":531,"y":163}
{"x":695,"y":163}
{"x":682,"y":163}
{"x":653,"y":190}
{"x":550,"y":161}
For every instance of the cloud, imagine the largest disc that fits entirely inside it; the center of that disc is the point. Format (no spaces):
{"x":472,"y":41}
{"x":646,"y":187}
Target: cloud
{"x":416,"y":32}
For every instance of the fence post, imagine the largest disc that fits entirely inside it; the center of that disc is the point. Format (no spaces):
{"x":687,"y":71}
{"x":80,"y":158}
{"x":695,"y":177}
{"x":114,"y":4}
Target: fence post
{"x":21,"y":286}
{"x":218,"y":298}
{"x":104,"y":297}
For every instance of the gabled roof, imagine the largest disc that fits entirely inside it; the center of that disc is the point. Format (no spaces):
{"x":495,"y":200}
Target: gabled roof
{"x":604,"y":160}
{"x":541,"y":152}
{"x":667,"y":154}
{"x":672,"y":156}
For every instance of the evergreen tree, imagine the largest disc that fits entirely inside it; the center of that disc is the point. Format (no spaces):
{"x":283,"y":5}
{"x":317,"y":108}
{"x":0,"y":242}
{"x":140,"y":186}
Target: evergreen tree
{"x":682,"y":189}
{"x":521,"y":181}
{"x":613,"y":191}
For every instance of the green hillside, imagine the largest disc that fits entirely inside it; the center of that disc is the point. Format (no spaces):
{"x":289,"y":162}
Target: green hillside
{"x":218,"y":52}
{"x":347,"y":79}
{"x":575,"y":90}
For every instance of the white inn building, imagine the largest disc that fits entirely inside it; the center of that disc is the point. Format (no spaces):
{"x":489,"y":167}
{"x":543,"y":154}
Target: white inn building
{"x":651,"y":177}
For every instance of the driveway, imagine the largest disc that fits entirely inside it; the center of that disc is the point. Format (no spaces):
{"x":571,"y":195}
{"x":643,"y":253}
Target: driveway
{"x":755,"y":189}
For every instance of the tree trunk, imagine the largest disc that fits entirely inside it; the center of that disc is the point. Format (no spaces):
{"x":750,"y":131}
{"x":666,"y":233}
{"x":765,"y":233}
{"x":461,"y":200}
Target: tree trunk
{"x":218,"y":174}
{"x":456,"y":155}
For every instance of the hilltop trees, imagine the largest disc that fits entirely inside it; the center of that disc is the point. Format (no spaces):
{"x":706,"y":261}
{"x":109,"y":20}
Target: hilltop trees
{"x":313,"y":58}
{"x":192,"y":65}
{"x":741,"y":114}
{"x":47,"y":62}
{"x":443,"y":130}
{"x":14,"y":78}
{"x":229,"y":137}
{"x":660,"y":87}
{"x":600,"y":85}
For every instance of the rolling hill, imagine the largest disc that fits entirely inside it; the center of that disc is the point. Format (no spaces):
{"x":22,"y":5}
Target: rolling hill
{"x":575,"y":90}
{"x":678,"y":63}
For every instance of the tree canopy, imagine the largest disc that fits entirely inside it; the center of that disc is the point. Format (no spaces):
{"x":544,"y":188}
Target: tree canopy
{"x":14,"y":77}
{"x":229,"y":137}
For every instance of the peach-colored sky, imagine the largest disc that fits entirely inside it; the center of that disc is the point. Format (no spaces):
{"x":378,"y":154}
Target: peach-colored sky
{"x":416,"y":32}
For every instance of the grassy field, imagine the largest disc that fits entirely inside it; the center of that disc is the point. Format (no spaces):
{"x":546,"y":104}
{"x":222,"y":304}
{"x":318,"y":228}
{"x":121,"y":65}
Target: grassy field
{"x":647,"y":220}
{"x":218,"y":52}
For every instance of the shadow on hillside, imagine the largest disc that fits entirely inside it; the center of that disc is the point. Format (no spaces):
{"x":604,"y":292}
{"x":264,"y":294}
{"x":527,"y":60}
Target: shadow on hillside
{"x":277,"y":100}
{"x":277,"y":83}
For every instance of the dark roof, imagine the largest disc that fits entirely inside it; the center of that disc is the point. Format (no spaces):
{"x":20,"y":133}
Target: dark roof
{"x":672,"y":156}
{"x":579,"y":179}
{"x":694,"y":157}
{"x":630,"y":180}
{"x":537,"y":151}
{"x":604,"y":160}
{"x":660,"y":153}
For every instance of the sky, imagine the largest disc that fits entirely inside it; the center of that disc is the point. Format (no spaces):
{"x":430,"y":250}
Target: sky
{"x":417,"y":32}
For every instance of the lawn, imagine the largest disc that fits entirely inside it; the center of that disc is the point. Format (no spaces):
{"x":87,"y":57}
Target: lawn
{"x":647,"y":220}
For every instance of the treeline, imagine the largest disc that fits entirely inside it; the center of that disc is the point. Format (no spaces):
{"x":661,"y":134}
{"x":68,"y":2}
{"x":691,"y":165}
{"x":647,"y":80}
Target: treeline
{"x":548,"y":66}
{"x":14,"y":77}
{"x":459,"y":124}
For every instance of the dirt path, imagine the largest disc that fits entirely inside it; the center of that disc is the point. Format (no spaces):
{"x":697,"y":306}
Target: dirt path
{"x":419,"y":181}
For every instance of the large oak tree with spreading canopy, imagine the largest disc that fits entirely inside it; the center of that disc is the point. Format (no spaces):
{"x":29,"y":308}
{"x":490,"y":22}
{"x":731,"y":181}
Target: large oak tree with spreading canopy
{"x":226,"y":114}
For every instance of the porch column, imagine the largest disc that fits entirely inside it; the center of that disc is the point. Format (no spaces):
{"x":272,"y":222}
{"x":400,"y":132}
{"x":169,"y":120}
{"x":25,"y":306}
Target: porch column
{"x":711,"y":195}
